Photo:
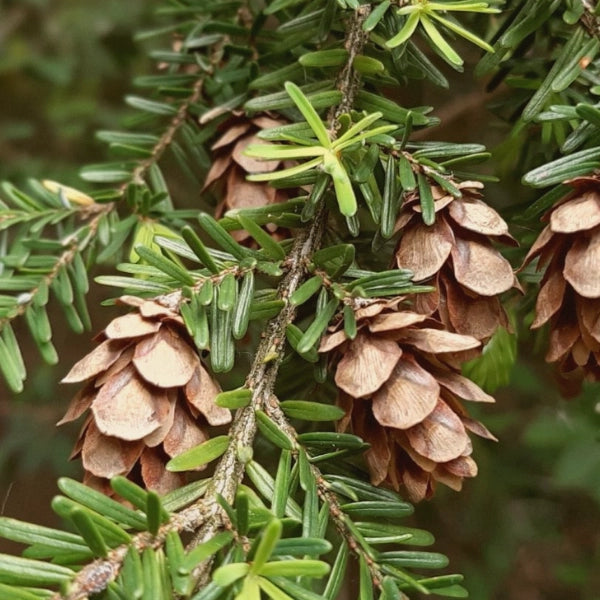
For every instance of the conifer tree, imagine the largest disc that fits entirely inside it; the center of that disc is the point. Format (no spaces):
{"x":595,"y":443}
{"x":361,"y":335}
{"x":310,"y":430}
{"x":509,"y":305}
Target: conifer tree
{"x":376,"y":291}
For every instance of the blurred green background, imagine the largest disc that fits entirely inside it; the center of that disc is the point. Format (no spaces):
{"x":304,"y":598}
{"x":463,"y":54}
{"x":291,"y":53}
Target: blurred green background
{"x":64,"y":68}
{"x":528,"y":528}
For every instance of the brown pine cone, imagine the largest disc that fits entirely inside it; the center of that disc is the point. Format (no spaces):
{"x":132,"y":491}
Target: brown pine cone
{"x":569,"y":296}
{"x":149,"y":398}
{"x":230,"y":167}
{"x":456,"y":255}
{"x":402,"y":394}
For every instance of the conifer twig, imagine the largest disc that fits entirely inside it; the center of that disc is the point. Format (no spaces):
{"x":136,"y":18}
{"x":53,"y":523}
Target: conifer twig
{"x":99,"y":211}
{"x":276,"y":414}
{"x":165,"y":140}
{"x":261,"y":379}
{"x":206,"y":517}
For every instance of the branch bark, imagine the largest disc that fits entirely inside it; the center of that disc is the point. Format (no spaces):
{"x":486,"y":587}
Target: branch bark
{"x":589,"y":19}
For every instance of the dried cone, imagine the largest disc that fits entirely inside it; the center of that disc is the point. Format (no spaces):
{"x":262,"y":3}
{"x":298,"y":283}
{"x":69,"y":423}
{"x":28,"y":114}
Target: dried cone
{"x":402,"y":394}
{"x":230,"y":166}
{"x":457,"y":257}
{"x":149,"y":398}
{"x":569,"y":296}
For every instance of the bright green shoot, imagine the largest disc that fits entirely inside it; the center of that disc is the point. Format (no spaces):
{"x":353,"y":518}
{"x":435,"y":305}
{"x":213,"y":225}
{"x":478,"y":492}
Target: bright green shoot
{"x":255,"y":573}
{"x":426,"y":13}
{"x":325,"y":154}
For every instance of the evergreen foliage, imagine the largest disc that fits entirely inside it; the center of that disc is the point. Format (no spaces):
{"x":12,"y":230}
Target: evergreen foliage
{"x":355,"y":263}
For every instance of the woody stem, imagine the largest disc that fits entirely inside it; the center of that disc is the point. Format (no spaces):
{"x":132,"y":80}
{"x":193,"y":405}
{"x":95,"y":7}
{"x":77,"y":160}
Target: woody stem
{"x":267,"y":360}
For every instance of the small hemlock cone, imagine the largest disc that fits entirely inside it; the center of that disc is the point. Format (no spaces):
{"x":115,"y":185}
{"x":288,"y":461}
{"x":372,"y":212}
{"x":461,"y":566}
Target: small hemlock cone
{"x":569,"y":296}
{"x":230,"y":167}
{"x":149,"y":398}
{"x":457,"y":257}
{"x":402,"y":394}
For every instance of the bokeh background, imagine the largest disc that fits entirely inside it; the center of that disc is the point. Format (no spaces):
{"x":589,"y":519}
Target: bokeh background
{"x":528,"y":527}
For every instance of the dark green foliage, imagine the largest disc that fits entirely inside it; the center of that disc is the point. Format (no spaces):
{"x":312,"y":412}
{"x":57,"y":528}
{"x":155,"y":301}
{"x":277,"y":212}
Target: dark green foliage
{"x":304,"y":520}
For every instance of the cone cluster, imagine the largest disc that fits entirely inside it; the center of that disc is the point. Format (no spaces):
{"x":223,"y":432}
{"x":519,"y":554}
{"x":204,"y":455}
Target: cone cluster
{"x":148,"y":395}
{"x":230,"y":166}
{"x":456,"y":255}
{"x":401,"y":389}
{"x":569,"y":296}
